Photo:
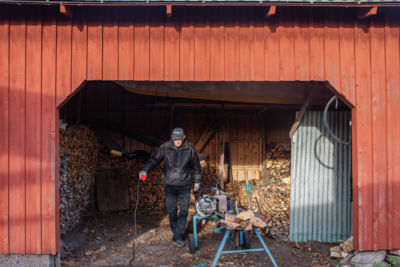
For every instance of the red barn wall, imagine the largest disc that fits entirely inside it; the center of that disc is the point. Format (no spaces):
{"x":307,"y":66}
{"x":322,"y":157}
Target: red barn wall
{"x":45,"y":56}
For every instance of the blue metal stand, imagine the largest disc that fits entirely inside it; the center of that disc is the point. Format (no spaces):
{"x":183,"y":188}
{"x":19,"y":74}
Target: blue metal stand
{"x":225,"y":238}
{"x":195,"y":218}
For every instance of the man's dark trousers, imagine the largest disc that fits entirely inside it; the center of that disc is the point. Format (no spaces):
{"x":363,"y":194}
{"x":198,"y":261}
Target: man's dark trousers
{"x":177,"y":222}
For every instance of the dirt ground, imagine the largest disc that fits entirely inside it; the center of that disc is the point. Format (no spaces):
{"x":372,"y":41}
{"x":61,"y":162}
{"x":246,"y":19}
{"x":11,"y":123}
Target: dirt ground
{"x":106,"y":240}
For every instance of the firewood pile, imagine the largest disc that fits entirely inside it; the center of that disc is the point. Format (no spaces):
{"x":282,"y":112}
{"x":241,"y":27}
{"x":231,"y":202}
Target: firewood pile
{"x":82,"y":154}
{"x":78,"y":158}
{"x":245,"y":220}
{"x":272,"y":199}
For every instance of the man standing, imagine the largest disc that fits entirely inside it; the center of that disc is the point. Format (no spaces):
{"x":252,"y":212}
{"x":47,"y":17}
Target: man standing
{"x":180,"y":161}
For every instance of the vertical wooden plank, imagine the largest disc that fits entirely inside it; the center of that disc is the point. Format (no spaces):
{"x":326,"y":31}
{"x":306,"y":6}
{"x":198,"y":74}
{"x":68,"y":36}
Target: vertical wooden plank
{"x":142,"y":48}
{"x":232,"y":70}
{"x":17,"y":132}
{"x":186,"y":45}
{"x":157,"y":44}
{"x":332,"y":45}
{"x":171,"y":51}
{"x":95,"y":45}
{"x":392,"y":44}
{"x":4,"y":137}
{"x":364,"y":137}
{"x":259,"y":49}
{"x":125,"y":45}
{"x":217,"y":59}
{"x":347,"y":66}
{"x":234,"y":160}
{"x":241,"y":161}
{"x":48,"y":142}
{"x":272,"y":55}
{"x":354,"y":170}
{"x":33,"y":129}
{"x":79,"y":50}
{"x":202,"y":46}
{"x":64,"y":35}
{"x":286,"y":44}
{"x":246,"y":45}
{"x":317,"y":59}
{"x":379,"y":131}
{"x":301,"y":45}
{"x":110,"y":44}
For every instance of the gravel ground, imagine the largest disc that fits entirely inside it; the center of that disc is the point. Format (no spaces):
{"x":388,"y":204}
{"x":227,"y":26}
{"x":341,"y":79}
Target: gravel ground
{"x":106,"y":240}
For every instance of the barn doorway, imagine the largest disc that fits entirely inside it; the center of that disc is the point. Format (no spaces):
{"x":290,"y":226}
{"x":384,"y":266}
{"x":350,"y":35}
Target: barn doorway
{"x":109,"y":129}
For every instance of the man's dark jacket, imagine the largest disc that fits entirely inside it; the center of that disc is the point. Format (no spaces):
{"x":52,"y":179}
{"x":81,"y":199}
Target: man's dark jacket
{"x":179,"y":162}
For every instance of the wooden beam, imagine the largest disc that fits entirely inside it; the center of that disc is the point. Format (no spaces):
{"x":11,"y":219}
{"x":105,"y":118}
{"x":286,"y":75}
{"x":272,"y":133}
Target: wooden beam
{"x":271,"y":11}
{"x":207,"y":134}
{"x":169,"y":11}
{"x":300,"y":116}
{"x":66,"y":10}
{"x":366,"y":12}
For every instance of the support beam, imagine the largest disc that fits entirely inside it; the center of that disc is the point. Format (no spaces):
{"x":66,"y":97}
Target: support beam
{"x":207,"y":134}
{"x":299,"y":116}
{"x":66,"y":10}
{"x":270,"y":11}
{"x":169,"y":11}
{"x":366,"y":12}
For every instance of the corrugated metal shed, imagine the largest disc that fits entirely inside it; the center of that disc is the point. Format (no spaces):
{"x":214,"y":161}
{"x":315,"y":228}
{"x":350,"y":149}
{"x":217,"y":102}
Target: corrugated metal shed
{"x":48,"y":55}
{"x":320,"y":196}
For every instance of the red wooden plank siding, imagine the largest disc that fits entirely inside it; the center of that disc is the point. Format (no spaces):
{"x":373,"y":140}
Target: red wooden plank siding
{"x":95,"y":46}
{"x":364,"y":138}
{"x":142,"y":51}
{"x":317,"y":59}
{"x":202,"y":46}
{"x":217,"y":53}
{"x":17,"y":133}
{"x":4,"y":126}
{"x":110,"y":45}
{"x":186,"y":46}
{"x":286,"y":45}
{"x":207,"y":44}
{"x":157,"y":45}
{"x":171,"y":48}
{"x":332,"y":46}
{"x":301,"y":47}
{"x":379,"y":138}
{"x":259,"y":49}
{"x":79,"y":50}
{"x":231,"y":67}
{"x":125,"y":46}
{"x":48,"y":196}
{"x":272,"y":55}
{"x":392,"y":44}
{"x":64,"y":35}
{"x":33,"y":131}
{"x":347,"y":66}
{"x":246,"y":45}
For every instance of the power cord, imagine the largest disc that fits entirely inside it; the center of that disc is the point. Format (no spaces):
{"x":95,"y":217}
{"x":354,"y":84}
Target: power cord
{"x":134,"y":220}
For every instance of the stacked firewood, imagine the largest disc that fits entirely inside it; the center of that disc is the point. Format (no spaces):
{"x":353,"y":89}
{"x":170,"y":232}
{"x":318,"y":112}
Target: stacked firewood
{"x":78,"y":157}
{"x":273,"y":198}
{"x":245,"y":220}
{"x":151,"y":191}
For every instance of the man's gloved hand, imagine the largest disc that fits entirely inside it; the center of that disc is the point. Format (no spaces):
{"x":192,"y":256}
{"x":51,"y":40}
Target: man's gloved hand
{"x":142,"y":175}
{"x":196,"y":187}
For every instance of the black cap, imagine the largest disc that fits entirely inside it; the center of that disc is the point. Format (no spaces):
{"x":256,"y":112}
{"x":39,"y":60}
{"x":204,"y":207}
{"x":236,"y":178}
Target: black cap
{"x":177,"y":133}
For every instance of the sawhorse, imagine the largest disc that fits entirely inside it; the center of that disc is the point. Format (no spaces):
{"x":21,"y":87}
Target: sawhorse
{"x":225,"y":238}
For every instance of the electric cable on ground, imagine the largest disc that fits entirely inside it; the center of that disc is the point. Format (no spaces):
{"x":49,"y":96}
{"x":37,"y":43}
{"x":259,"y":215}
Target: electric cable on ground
{"x":135,"y":230}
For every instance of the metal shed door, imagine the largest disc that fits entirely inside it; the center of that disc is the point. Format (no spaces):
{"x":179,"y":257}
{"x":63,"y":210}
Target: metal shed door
{"x":320,"y":197}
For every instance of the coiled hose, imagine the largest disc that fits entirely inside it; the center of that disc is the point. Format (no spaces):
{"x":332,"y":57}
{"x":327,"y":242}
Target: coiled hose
{"x":325,"y":120}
